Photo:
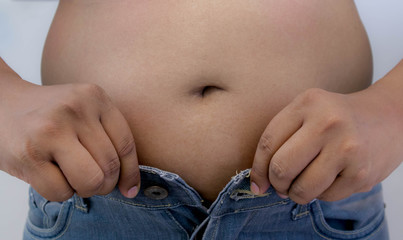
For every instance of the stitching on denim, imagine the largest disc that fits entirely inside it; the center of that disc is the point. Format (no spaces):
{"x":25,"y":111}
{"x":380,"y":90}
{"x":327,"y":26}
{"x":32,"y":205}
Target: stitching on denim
{"x":45,"y":215}
{"x":139,"y":205}
{"x":79,"y":203}
{"x":316,"y":230}
{"x":284,"y":202}
{"x":32,"y":198}
{"x":81,"y":208}
{"x":302,"y":214}
{"x":215,"y":229}
{"x":34,"y":228}
{"x":240,"y":176}
{"x":174,"y":176}
{"x":187,"y":193}
{"x":249,"y":218}
{"x":245,"y":194}
{"x":366,"y":228}
{"x":47,"y":230}
{"x":368,"y":237}
{"x":176,"y":222}
{"x":376,"y":230}
{"x":216,"y":206}
{"x":67,"y":224}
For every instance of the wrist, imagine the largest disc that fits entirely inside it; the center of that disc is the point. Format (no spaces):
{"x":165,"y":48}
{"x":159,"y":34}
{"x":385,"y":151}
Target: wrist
{"x":12,"y":86}
{"x":390,"y":89}
{"x":386,"y":93}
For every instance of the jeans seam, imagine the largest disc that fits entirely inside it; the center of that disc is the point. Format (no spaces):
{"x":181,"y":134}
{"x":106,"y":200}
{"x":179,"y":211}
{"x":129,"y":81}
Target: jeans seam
{"x":38,"y":231}
{"x":365,"y":228}
{"x":302,"y":214}
{"x":284,"y":202}
{"x":368,"y":237}
{"x":176,"y":177}
{"x":360,"y":231}
{"x":143,"y":205}
{"x":176,"y":222}
{"x":215,"y":229}
{"x":140,"y":205}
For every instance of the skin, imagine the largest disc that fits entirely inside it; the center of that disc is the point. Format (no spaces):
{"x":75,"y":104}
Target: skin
{"x":52,"y":145}
{"x":328,"y":146}
{"x":174,"y":85}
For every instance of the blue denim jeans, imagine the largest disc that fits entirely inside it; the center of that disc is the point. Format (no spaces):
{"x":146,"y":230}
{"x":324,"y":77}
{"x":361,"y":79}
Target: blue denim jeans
{"x":167,"y":208}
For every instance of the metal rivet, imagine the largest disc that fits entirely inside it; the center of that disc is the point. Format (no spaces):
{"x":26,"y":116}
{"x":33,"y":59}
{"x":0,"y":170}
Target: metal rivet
{"x":156,"y":192}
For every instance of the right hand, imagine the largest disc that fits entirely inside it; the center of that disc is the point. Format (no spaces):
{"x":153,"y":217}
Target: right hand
{"x":66,"y":139}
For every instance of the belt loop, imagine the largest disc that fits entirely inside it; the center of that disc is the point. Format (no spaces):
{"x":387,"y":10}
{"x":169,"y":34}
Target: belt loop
{"x":300,"y":211}
{"x":80,"y":203}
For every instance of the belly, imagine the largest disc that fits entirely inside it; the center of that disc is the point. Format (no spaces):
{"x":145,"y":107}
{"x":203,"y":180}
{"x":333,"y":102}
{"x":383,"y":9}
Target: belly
{"x":198,"y":81}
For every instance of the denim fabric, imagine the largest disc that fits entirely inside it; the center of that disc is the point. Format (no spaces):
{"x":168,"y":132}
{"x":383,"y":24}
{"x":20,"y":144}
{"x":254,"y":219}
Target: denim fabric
{"x":167,"y":208}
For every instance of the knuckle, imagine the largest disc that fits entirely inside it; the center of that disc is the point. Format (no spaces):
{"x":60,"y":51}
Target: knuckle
{"x":30,"y":152}
{"x":266,"y":144}
{"x":312,"y":95}
{"x":90,"y":89}
{"x":72,"y":107}
{"x":30,"y":156}
{"x":48,"y":129}
{"x":126,"y":147}
{"x":299,"y":193}
{"x":112,"y":167}
{"x":94,"y":183}
{"x":350,"y":147}
{"x":278,"y":171}
{"x":331,"y":121}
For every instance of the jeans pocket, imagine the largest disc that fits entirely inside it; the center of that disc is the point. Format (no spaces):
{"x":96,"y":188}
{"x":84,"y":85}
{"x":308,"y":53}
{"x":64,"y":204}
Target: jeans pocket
{"x":47,"y":219}
{"x":361,"y":216}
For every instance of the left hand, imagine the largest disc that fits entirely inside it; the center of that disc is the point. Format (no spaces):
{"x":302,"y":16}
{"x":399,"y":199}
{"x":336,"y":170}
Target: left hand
{"x":328,"y":146}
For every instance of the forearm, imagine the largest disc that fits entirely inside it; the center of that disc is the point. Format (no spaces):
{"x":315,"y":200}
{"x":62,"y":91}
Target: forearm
{"x":9,"y":79}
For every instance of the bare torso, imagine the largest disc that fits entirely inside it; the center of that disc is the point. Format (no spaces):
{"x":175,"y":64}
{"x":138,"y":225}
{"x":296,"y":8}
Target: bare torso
{"x":198,"y":81}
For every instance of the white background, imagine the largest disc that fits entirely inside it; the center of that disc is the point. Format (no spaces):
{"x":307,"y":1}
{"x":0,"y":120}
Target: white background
{"x":23,"y":28}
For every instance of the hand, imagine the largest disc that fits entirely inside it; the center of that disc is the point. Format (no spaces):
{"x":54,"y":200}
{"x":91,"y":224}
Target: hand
{"x":328,"y":146}
{"x":63,"y":139}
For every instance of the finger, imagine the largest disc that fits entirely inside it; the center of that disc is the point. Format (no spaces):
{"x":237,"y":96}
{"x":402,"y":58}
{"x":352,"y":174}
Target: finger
{"x":314,"y":180}
{"x":280,"y":128}
{"x":80,"y":169}
{"x":50,"y":183}
{"x":340,"y":189}
{"x":98,"y":144}
{"x":347,"y":183}
{"x":293,"y":157}
{"x":121,"y":136}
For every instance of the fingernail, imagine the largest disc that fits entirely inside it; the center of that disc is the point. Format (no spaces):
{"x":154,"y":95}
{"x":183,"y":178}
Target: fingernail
{"x":282,"y":195}
{"x":132,"y":192}
{"x":254,"y":188}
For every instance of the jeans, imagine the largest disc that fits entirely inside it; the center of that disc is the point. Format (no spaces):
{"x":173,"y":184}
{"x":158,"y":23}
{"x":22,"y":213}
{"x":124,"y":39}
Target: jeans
{"x":167,"y":208}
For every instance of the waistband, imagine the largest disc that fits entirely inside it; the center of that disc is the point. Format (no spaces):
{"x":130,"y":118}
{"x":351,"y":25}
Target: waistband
{"x":161,"y":189}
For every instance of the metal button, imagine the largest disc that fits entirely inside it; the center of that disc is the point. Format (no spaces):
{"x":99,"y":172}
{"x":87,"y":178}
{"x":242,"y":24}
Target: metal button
{"x":156,"y":192}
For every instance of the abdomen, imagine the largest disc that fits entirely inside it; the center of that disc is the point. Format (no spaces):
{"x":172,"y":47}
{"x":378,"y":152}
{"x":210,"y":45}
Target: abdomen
{"x":198,"y":81}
